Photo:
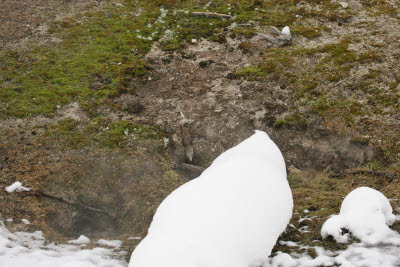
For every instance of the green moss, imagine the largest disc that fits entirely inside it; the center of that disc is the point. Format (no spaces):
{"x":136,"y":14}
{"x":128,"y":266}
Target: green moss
{"x":118,"y":132}
{"x":295,"y":120}
{"x":308,"y":32}
{"x":294,"y":180}
{"x":101,"y":52}
{"x":251,"y":72}
{"x":67,"y":124}
{"x":380,"y":7}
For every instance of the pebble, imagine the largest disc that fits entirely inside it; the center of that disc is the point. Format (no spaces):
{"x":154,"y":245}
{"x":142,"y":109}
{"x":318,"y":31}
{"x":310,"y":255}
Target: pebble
{"x":344,"y":4}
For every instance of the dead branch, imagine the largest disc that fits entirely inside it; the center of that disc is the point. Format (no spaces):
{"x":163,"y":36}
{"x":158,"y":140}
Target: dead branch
{"x":39,"y":193}
{"x":268,"y":38}
{"x":211,"y":15}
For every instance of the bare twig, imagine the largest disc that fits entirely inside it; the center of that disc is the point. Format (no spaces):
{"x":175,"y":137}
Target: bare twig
{"x":275,"y":30}
{"x":336,"y":84}
{"x":39,"y":193}
{"x":268,"y":38}
{"x":211,"y":15}
{"x":277,"y":37}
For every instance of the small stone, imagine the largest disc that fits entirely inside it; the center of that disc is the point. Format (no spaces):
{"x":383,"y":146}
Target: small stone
{"x":205,"y":63}
{"x":293,"y":169}
{"x":344,"y":4}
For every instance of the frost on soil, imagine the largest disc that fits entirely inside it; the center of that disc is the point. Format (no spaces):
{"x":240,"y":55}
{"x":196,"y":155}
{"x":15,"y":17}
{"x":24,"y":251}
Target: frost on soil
{"x":231,"y":215}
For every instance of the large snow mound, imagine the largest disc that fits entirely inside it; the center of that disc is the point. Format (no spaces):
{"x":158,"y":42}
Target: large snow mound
{"x":230,"y":216}
{"x":22,"y":249}
{"x":366,"y":213}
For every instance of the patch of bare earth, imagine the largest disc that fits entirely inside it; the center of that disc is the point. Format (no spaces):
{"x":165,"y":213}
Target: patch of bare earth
{"x":24,"y":24}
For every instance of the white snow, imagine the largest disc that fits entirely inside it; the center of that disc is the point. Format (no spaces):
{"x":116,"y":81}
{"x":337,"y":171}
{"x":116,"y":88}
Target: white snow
{"x":82,"y":240}
{"x":21,"y":249}
{"x":366,"y":213}
{"x":109,"y":243}
{"x":25,"y":221}
{"x":230,"y":216}
{"x":286,"y":30}
{"x":17,"y":187}
{"x":356,"y":255}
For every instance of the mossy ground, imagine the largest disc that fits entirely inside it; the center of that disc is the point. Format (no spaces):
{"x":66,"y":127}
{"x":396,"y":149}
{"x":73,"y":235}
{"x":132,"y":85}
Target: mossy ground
{"x":101,"y":54}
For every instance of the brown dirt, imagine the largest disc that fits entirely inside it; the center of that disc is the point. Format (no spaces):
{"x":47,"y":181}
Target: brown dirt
{"x":23,"y":23}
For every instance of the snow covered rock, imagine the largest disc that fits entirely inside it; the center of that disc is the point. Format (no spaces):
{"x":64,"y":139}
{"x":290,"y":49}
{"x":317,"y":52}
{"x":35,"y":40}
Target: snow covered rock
{"x":366,"y":213}
{"x":230,"y":216}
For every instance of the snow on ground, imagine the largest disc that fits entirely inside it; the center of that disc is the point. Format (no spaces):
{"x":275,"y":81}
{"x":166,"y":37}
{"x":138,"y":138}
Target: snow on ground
{"x":82,"y":240}
{"x":230,"y":216}
{"x":366,"y":213}
{"x":22,"y":249}
{"x":109,"y":243}
{"x":356,"y":255}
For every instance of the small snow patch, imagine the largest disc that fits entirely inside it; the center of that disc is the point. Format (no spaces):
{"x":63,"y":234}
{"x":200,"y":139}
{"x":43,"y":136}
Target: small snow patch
{"x":286,"y":30}
{"x":17,"y":187}
{"x":82,"y":240}
{"x":25,"y":221}
{"x":109,"y":243}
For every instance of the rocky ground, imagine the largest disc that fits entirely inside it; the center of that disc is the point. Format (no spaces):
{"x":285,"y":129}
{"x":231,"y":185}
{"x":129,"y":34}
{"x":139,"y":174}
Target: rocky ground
{"x":95,"y":93}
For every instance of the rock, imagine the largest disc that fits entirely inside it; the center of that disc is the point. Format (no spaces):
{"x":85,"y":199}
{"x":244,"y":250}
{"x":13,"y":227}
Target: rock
{"x":206,"y":63}
{"x":293,"y":169}
{"x":277,"y":37}
{"x":344,"y":4}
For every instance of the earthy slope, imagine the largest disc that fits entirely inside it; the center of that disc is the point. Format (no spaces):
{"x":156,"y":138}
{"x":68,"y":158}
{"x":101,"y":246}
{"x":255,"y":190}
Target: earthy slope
{"x":91,"y":108}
